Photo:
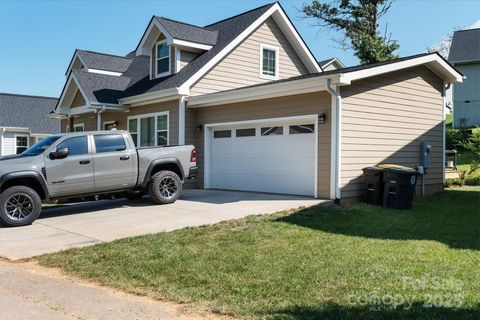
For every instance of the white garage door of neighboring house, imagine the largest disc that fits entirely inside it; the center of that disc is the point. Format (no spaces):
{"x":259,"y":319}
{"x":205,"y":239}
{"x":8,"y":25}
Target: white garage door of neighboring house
{"x":275,"y":156}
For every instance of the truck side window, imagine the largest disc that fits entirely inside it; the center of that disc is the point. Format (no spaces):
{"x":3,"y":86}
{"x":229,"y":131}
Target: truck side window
{"x":109,"y":143}
{"x":76,"y":145}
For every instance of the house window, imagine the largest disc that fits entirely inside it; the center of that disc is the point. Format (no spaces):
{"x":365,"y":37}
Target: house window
{"x":78,"y":127}
{"x":21,"y":144}
{"x":162,"y":54}
{"x":149,"y":130}
{"x":269,"y":62}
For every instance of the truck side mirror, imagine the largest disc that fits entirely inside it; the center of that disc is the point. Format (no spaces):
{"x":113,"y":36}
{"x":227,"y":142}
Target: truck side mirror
{"x":60,"y":153}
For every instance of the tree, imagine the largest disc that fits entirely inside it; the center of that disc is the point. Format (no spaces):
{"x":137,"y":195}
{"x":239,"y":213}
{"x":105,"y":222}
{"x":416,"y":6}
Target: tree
{"x":358,"y":21}
{"x":442,"y":47}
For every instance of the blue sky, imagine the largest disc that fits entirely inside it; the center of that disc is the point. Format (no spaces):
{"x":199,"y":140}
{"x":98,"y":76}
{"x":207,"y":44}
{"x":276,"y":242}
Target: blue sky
{"x":38,"y":38}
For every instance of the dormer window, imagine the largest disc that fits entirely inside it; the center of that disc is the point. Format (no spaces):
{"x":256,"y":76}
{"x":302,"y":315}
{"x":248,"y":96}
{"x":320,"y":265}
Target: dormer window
{"x":162,"y":53}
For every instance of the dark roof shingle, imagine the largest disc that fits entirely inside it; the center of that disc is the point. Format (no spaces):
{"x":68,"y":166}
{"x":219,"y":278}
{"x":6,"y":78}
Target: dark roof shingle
{"x":465,"y":46}
{"x":103,"y":61}
{"x":25,"y":111}
{"x":188,"y":32}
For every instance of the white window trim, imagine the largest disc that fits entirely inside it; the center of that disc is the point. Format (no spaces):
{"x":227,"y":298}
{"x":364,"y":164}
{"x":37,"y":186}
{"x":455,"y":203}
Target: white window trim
{"x":82,"y":125}
{"x":149,"y":115}
{"x":277,"y":61}
{"x":15,"y":141}
{"x":166,"y":73}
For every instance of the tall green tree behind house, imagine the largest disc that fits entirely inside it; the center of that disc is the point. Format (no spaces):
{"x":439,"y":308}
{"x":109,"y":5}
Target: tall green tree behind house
{"x":357,"y":20}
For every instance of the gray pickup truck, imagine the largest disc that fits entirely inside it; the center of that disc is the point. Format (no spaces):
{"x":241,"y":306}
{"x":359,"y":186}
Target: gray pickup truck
{"x":84,"y":164}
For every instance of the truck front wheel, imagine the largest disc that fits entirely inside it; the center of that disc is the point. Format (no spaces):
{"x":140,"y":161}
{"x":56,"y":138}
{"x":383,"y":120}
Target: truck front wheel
{"x":19,"y":206}
{"x":165,"y":187}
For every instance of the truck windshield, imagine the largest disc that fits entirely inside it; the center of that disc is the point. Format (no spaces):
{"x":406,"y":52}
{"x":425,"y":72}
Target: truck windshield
{"x":41,"y":146}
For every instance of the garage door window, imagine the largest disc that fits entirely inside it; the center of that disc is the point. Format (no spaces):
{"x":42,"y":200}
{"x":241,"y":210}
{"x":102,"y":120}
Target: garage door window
{"x":222,"y":134}
{"x":272,"y":131}
{"x":250,"y":132}
{"x":303,"y":128}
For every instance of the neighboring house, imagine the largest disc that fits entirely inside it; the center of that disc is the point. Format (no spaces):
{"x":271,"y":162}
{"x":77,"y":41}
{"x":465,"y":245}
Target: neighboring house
{"x":249,"y":94}
{"x":465,"y":56}
{"x":24,"y":120}
{"x":331,"y":64}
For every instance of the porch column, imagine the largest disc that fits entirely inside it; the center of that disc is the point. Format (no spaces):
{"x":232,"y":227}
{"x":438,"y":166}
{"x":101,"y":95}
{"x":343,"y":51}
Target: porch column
{"x":70,"y":124}
{"x":181,"y":120}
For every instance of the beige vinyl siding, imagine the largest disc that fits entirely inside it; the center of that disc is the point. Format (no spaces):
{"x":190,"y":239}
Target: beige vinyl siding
{"x":186,"y":57}
{"x":170,"y":106}
{"x":89,"y":120}
{"x":385,"y":119}
{"x":241,"y":67}
{"x":78,"y":100}
{"x":295,"y":105}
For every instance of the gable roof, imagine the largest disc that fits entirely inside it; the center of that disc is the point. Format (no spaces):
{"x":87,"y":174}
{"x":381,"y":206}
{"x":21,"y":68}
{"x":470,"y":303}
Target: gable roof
{"x":222,"y":35}
{"x":24,"y":111}
{"x":188,"y":32}
{"x":324,"y":63}
{"x":100,"y":88}
{"x":465,"y":46}
{"x":101,"y":61}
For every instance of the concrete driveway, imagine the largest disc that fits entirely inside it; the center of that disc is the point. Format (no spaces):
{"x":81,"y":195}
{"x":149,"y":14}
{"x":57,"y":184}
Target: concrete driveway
{"x":90,"y":223}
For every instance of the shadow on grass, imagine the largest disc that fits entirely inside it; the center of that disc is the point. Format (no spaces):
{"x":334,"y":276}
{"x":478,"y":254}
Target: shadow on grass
{"x":451,"y":217}
{"x":338,"y":312}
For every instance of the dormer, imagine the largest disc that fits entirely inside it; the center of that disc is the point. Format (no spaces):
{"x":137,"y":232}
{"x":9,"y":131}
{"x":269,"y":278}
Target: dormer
{"x":171,"y":45}
{"x":102,"y":63}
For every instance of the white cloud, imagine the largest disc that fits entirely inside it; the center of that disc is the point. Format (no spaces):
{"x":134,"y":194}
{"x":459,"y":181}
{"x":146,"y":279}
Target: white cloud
{"x":475,"y":25}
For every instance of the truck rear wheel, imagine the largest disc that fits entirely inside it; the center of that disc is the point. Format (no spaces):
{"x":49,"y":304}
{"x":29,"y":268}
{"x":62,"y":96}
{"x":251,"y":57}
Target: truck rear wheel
{"x":165,"y":187}
{"x":19,"y":206}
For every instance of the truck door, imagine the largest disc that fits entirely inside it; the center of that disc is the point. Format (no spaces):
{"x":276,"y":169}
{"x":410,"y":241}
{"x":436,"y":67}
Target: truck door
{"x":73,"y":173}
{"x":113,"y":163}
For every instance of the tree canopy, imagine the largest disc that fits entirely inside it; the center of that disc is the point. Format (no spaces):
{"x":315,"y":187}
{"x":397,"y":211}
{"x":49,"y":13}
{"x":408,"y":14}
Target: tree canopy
{"x":358,"y":21}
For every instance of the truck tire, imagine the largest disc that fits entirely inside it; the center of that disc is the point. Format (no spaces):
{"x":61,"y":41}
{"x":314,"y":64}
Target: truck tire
{"x":19,"y":206}
{"x":165,"y":187}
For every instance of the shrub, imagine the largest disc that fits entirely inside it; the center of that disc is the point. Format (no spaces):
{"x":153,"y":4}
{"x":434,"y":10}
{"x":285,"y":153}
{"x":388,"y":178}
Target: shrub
{"x":472,"y":181}
{"x":453,"y":182}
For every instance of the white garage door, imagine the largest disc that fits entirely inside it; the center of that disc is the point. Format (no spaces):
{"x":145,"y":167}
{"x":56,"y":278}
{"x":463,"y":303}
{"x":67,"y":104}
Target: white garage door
{"x":268,"y":156}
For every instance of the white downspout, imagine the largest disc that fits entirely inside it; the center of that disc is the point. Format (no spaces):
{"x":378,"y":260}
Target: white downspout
{"x":336,"y":141}
{"x":99,"y":118}
{"x":181,"y":120}
{"x":1,"y":141}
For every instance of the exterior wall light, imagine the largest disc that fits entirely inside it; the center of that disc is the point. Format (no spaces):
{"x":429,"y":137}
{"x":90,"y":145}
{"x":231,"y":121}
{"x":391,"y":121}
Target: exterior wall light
{"x":322,"y":118}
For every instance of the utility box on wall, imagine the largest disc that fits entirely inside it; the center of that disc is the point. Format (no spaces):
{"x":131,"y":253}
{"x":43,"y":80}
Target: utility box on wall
{"x":425,"y":155}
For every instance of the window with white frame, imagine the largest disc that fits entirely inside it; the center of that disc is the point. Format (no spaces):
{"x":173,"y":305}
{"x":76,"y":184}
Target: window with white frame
{"x":162,"y":58}
{"x":268,"y":62}
{"x":149,"y":130}
{"x":21,"y":144}
{"x":78,"y":127}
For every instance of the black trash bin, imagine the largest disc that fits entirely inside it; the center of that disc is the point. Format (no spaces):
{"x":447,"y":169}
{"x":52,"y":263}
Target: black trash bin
{"x":373,"y":185}
{"x":399,"y":187}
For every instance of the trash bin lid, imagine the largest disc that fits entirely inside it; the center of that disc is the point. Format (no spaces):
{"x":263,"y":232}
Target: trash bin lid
{"x":372,"y":169}
{"x":395,"y":166}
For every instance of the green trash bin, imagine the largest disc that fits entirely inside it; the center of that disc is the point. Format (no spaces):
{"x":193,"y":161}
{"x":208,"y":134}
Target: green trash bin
{"x":399,"y":187}
{"x":373,"y":185}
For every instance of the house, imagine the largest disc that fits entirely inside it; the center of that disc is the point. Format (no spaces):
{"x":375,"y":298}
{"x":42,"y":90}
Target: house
{"x":264,"y":116}
{"x":465,"y":56}
{"x":24,"y":120}
{"x":331,"y":64}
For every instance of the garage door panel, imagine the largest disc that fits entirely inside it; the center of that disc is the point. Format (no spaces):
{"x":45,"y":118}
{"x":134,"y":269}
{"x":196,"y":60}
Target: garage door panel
{"x":277,"y":163}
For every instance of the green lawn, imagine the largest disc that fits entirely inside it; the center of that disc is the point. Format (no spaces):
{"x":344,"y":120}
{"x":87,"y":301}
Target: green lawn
{"x":317,"y":263}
